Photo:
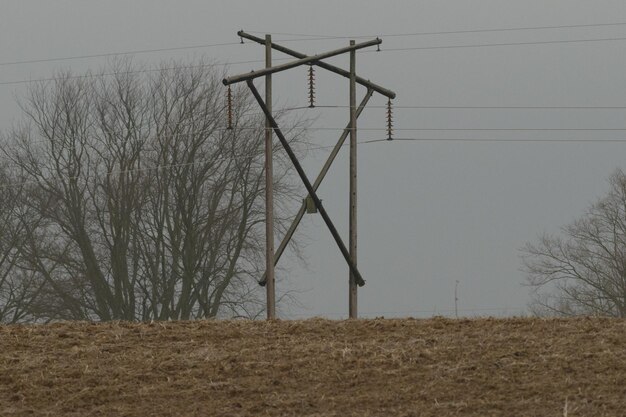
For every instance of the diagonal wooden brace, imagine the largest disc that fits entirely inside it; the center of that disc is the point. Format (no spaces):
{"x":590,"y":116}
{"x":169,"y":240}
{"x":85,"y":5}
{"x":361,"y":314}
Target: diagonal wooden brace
{"x":331,"y":227}
{"x":316,"y":184}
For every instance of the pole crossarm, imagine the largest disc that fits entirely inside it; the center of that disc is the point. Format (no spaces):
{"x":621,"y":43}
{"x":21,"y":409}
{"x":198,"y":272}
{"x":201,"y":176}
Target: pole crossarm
{"x":318,"y":203}
{"x":316,"y":184}
{"x":366,"y":83}
{"x":310,"y":59}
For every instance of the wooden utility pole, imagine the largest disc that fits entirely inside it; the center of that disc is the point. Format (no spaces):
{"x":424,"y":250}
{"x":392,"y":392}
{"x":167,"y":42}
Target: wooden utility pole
{"x":349,"y":254}
{"x":269,"y":189}
{"x":352,"y":297}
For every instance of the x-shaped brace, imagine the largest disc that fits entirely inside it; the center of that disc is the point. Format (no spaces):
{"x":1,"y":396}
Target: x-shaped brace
{"x":318,"y":181}
{"x":311,"y":188}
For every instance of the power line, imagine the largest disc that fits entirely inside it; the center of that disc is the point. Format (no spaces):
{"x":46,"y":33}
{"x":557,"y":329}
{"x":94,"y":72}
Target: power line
{"x":110,"y":74}
{"x":498,"y":44}
{"x":428,"y":139}
{"x":466,"y":129}
{"x":449,"y":32}
{"x":208,"y":130}
{"x":508,"y":29}
{"x":307,"y":37}
{"x":132,"y":52}
{"x":282,"y":59}
{"x":160,"y":167}
{"x":323,"y":37}
{"x":528,"y":140}
{"x":365,"y":142}
{"x":313,"y":148}
{"x":374,"y":129}
{"x":214,"y":130}
{"x":293,"y":40}
{"x":109,"y":54}
{"x":425,"y":107}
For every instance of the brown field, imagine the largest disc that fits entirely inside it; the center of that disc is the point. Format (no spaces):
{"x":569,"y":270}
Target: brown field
{"x":436,"y":367}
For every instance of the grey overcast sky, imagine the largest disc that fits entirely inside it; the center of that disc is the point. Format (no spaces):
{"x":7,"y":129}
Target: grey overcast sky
{"x":431,"y":212}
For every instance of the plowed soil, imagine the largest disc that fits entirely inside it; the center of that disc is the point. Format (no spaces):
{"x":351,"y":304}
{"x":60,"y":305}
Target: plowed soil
{"x":435,"y":367}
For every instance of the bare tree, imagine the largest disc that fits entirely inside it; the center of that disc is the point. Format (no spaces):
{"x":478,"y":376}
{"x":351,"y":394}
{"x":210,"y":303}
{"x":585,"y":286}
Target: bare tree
{"x":147,"y":207}
{"x":583,"y":271}
{"x":18,"y":288}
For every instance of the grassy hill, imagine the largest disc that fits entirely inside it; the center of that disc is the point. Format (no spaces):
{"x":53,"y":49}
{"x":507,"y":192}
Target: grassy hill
{"x":436,"y":367}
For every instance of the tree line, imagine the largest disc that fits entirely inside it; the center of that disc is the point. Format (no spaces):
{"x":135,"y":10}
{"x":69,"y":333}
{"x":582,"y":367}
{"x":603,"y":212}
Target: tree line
{"x":124,"y":197}
{"x":582,"y":269}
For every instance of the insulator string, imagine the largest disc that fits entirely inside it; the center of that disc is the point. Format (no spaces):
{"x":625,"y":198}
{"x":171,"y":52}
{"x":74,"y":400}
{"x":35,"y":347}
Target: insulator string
{"x":389,"y":120}
{"x":311,"y":86}
{"x":229,"y":104}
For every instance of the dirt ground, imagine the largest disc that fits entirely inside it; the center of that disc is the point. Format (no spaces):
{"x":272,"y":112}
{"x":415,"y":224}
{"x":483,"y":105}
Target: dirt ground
{"x":435,"y":367}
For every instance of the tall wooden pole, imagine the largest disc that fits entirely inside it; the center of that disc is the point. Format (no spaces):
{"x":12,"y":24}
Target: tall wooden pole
{"x":349,"y":254}
{"x":352,"y":298}
{"x":269,"y":189}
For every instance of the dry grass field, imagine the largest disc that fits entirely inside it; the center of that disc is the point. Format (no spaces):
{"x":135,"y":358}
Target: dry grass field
{"x":436,"y":367}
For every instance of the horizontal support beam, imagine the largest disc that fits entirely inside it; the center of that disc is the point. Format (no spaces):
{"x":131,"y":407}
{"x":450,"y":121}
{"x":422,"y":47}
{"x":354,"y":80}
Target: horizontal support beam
{"x":366,"y":83}
{"x":266,"y":71}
